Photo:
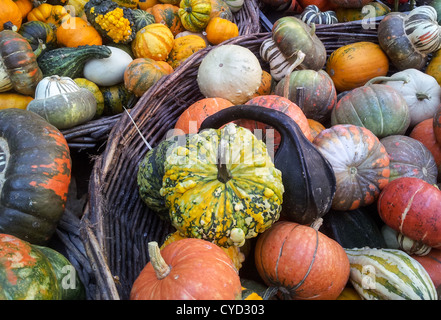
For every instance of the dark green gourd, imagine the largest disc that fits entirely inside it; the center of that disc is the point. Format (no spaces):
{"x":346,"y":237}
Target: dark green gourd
{"x":307,"y":176}
{"x":69,"y":62}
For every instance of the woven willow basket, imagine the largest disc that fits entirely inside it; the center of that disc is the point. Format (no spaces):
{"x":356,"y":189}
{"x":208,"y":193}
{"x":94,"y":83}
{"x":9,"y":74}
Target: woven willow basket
{"x":116,"y":225}
{"x":95,"y":132}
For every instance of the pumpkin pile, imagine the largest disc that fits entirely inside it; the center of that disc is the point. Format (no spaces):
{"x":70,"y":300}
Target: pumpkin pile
{"x":114,"y":49}
{"x":317,"y":171}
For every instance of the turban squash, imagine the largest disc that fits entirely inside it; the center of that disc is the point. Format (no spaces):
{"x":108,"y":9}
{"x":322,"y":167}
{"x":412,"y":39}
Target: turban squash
{"x":36,"y":173}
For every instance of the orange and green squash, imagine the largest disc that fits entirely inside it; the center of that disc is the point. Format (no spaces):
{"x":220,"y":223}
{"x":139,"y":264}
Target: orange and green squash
{"x":154,"y":41}
{"x":195,"y":14}
{"x":183,"y":48}
{"x":167,"y":14}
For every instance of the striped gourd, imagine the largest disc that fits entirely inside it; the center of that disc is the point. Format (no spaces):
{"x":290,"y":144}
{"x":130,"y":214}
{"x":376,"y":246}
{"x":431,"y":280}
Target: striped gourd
{"x":312,"y":14}
{"x":423,"y":30}
{"x":411,"y":246}
{"x":279,"y":65}
{"x":389,"y":274}
{"x":235,"y":5}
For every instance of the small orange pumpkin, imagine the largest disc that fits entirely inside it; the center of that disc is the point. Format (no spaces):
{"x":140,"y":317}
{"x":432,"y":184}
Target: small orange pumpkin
{"x":25,"y":7}
{"x":154,"y":41}
{"x":190,"y":120}
{"x":352,"y":65}
{"x":142,"y":73}
{"x":219,"y":30}
{"x":424,"y":132}
{"x":75,"y":31}
{"x":145,"y":4}
{"x":10,"y":12}
{"x":266,"y":85}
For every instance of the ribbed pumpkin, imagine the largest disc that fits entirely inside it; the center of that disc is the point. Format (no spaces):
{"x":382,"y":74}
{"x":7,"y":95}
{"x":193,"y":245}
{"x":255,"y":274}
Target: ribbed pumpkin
{"x":232,"y":252}
{"x":318,"y":96}
{"x":360,"y":163}
{"x":141,"y":74}
{"x":25,"y":272}
{"x":167,"y":14}
{"x":183,"y":48}
{"x":10,"y":12}
{"x":409,"y":158}
{"x":75,"y":31}
{"x":170,"y":274}
{"x":301,"y":263}
{"x":352,"y":65}
{"x":145,"y":4}
{"x":377,"y":107}
{"x":312,"y":14}
{"x":424,"y":133}
{"x":411,"y":206}
{"x":25,"y":6}
{"x":266,"y":85}
{"x":217,"y":201}
{"x":154,"y":41}
{"x":116,"y":97}
{"x":195,"y":14}
{"x":190,"y":120}
{"x":34,"y":188}
{"x":389,"y":274}
{"x":19,"y":69}
{"x":219,"y":30}
{"x":267,"y":133}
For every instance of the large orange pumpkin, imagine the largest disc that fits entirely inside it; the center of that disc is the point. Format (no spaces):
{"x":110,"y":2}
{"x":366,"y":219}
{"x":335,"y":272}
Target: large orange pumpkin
{"x":187,"y":269}
{"x":352,"y":65}
{"x":302,"y":262}
{"x":269,"y":135}
{"x":190,"y":120}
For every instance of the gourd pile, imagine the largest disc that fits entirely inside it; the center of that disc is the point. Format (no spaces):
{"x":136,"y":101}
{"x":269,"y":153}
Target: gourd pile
{"x":318,"y":171}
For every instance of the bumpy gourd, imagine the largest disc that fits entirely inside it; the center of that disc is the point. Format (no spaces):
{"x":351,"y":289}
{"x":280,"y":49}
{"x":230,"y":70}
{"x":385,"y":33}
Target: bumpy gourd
{"x":222,"y":186}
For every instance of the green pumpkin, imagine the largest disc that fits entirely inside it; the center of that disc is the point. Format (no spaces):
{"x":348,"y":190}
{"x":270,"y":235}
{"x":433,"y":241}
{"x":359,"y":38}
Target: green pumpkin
{"x":222,"y":187}
{"x":38,"y":31}
{"x":25,"y":272}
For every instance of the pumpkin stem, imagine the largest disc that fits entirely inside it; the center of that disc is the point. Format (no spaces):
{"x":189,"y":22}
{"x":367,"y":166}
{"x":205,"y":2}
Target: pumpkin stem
{"x":422,"y":96}
{"x":162,"y":269}
{"x":405,"y":79}
{"x":299,"y":59}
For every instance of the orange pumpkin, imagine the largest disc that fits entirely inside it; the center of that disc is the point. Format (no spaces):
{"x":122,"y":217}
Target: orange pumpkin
{"x":219,"y":30}
{"x":220,"y":8}
{"x":145,"y":4}
{"x":424,"y":133}
{"x":167,"y":14}
{"x":190,"y":120}
{"x":301,"y":262}
{"x":352,"y":65}
{"x":154,"y":41}
{"x":10,"y":12}
{"x":142,"y":73}
{"x":187,"y":269}
{"x":25,"y":7}
{"x":75,"y":31}
{"x":269,"y":135}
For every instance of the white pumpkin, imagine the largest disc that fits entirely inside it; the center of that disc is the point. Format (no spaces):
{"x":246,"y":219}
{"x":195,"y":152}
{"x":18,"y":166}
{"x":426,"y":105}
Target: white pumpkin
{"x":421,"y":92}
{"x":108,"y":71}
{"x":54,"y":85}
{"x":231,"y":72}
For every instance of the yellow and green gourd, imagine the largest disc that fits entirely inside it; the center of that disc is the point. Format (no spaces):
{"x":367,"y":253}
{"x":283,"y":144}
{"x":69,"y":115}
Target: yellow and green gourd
{"x":195,"y":14}
{"x":222,"y":186}
{"x":389,"y":274}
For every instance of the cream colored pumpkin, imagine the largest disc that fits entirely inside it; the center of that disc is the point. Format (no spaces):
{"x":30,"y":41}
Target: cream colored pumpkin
{"x":231,"y":72}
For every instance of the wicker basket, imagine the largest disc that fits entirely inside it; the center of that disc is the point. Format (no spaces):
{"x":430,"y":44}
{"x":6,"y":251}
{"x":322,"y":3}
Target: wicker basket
{"x":116,"y":225}
{"x":94,"y":133}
